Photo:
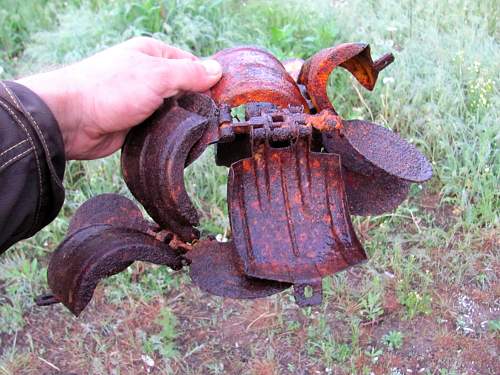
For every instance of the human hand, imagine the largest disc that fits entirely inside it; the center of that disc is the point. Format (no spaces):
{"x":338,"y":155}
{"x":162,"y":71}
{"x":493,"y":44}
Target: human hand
{"x":97,"y":100}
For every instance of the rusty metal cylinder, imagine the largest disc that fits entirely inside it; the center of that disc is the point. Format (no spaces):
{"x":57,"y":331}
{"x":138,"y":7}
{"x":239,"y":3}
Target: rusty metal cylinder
{"x":252,"y":74}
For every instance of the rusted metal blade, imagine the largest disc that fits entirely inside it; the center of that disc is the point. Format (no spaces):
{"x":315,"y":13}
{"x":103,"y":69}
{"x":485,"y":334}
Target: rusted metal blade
{"x":375,"y":194}
{"x":251,"y":74}
{"x":355,"y":57}
{"x":112,"y":209}
{"x":95,"y":252}
{"x":217,"y":269}
{"x":368,"y":148}
{"x":204,"y":106}
{"x":153,"y":160}
{"x":289,"y":215}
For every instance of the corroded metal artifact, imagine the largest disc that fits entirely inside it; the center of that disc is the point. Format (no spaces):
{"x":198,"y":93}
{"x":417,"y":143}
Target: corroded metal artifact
{"x":297,"y":171}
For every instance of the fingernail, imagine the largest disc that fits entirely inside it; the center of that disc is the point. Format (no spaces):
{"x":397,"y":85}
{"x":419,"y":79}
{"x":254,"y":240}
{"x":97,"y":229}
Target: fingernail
{"x":212,"y":67}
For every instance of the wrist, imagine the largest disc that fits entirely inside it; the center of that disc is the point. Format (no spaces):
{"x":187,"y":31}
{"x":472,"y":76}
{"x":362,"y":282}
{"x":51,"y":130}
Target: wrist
{"x":60,"y":97}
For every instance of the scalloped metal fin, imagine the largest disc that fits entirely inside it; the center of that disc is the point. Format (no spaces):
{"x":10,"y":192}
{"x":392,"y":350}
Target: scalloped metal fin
{"x":153,"y":160}
{"x":289,"y":215}
{"x":368,"y":148}
{"x":81,"y":260}
{"x":354,"y":57}
{"x":113,"y":209}
{"x":217,"y":269}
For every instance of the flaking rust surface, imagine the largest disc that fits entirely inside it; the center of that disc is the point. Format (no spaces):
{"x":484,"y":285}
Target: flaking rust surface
{"x":101,"y":243}
{"x":289,"y":215}
{"x":217,"y":269}
{"x":297,"y":171}
{"x":112,"y":209}
{"x":366,"y":147}
{"x":252,"y":74}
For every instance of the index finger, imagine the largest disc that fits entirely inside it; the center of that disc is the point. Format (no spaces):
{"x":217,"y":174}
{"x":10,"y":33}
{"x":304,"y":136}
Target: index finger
{"x":156,"y":48}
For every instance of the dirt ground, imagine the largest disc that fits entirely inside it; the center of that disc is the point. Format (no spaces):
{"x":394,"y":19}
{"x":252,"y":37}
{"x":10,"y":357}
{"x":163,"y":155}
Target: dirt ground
{"x":255,"y":337}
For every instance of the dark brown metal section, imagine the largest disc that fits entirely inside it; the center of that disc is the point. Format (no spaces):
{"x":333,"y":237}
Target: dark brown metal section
{"x":368,"y":148}
{"x":375,"y":194}
{"x":204,"y":106}
{"x":251,"y":74}
{"x":90,"y":254}
{"x":216,"y":268}
{"x":153,"y":160}
{"x":111,"y":209}
{"x":355,"y":57}
{"x":289,"y":215}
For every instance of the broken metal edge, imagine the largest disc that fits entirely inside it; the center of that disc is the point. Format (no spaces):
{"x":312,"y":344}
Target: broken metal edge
{"x":92,"y":253}
{"x":217,"y":269}
{"x":368,"y":149}
{"x":111,"y":209}
{"x":354,"y":57}
{"x":153,"y":161}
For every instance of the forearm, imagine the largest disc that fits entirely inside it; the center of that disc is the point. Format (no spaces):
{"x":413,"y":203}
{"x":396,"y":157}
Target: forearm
{"x":81,"y":111}
{"x":31,"y":164}
{"x":55,"y":88}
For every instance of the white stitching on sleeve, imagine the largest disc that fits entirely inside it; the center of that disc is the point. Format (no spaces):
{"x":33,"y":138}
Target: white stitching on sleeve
{"x":11,"y":96}
{"x":17,"y":157}
{"x":40,"y":185}
{"x":13,"y":147}
{"x":38,"y":131}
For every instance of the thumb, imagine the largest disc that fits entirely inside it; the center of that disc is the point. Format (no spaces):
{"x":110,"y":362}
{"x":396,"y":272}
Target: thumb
{"x":188,"y":75}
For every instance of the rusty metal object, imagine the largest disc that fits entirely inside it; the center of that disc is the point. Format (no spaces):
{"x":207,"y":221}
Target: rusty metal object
{"x":297,"y":171}
{"x":153,"y":160}
{"x":102,"y":242}
{"x":354,"y":57}
{"x":217,"y":269}
{"x":289,"y":215}
{"x":112,"y":209}
{"x":251,"y":74}
{"x":379,"y":166}
{"x":375,"y":194}
{"x":366,"y":148}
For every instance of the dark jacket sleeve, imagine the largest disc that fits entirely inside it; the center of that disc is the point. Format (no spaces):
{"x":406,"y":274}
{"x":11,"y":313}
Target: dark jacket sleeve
{"x":31,"y":164}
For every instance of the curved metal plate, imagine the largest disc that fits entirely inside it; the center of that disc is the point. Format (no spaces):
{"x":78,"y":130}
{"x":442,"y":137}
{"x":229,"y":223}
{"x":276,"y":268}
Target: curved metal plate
{"x":217,"y":269}
{"x":112,"y":209}
{"x":204,"y":106}
{"x":90,"y":254}
{"x":354,"y":57}
{"x":368,"y":149}
{"x":289,"y":215}
{"x":375,"y":194}
{"x":251,"y":74}
{"x":153,"y":160}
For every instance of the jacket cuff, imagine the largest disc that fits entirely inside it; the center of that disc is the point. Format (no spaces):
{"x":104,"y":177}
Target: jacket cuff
{"x":38,"y":177}
{"x":45,"y":125}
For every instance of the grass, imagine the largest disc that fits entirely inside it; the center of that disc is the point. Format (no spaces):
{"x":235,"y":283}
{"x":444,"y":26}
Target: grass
{"x":432,"y":278}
